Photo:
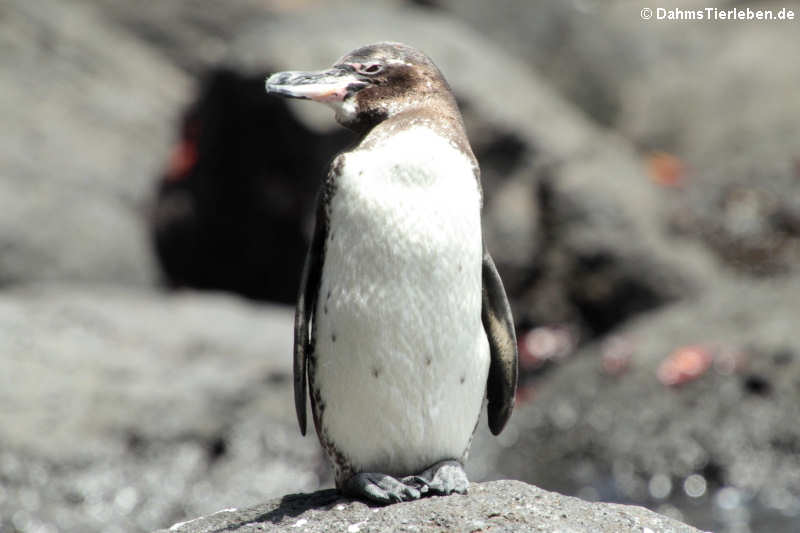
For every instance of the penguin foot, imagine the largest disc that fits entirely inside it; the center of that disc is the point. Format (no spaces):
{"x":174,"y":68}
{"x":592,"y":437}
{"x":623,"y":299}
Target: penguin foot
{"x":381,"y":488}
{"x":441,"y":479}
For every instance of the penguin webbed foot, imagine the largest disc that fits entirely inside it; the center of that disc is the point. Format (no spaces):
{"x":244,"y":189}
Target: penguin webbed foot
{"x":381,"y":488}
{"x":441,"y":479}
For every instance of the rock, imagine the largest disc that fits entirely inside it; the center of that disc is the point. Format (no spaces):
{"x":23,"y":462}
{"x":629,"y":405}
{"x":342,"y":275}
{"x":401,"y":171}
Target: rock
{"x":577,"y":47}
{"x":192,"y":36}
{"x":721,"y":446}
{"x":124,"y":410}
{"x":741,"y":168}
{"x":87,"y":112}
{"x":669,"y":87}
{"x":495,"y":506}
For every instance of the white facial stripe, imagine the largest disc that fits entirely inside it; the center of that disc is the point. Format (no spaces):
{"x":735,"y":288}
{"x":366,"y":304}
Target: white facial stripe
{"x":345,"y":109}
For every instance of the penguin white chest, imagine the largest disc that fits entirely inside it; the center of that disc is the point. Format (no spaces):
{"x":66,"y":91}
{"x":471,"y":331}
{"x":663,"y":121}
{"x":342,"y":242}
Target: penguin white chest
{"x":401,"y":357}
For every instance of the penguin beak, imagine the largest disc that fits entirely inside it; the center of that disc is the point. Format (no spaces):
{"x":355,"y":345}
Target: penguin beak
{"x":333,"y":85}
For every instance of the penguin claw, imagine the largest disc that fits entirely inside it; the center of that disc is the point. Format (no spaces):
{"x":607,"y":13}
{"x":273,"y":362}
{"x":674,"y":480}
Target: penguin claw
{"x":380,"y":488}
{"x":418,"y":482}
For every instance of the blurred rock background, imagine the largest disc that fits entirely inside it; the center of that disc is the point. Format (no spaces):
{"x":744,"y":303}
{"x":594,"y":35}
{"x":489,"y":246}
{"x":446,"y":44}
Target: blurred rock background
{"x":642,"y":184}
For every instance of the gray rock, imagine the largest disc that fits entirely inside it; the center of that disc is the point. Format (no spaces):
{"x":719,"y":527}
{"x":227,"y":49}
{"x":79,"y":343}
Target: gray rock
{"x":194,"y":36}
{"x":87,"y":112}
{"x":721,"y":450}
{"x":495,"y":506}
{"x":575,"y":45}
{"x":741,"y":168}
{"x":123,"y":411}
{"x":670,"y":86}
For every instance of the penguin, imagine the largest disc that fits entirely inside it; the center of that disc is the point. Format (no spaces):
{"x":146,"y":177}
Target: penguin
{"x":402,"y":328}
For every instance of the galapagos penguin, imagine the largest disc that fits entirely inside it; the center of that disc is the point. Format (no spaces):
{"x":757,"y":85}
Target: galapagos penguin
{"x":402,"y":326}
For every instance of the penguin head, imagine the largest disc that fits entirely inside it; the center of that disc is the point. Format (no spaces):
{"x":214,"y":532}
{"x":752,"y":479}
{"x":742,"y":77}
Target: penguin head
{"x":370,"y":84}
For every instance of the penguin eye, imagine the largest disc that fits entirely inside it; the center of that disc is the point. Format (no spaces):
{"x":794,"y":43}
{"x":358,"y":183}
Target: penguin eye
{"x":370,"y":68}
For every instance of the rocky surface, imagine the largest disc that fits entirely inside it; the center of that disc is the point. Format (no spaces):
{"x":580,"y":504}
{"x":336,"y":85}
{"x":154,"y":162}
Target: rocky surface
{"x":124,"y":411}
{"x":89,"y":119}
{"x":650,"y":82}
{"x":495,"y":506}
{"x":726,"y":438}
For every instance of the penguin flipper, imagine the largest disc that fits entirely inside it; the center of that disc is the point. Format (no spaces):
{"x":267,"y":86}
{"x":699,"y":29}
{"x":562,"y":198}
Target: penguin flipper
{"x":501,"y":386}
{"x":307,"y":296}
{"x":303,"y":316}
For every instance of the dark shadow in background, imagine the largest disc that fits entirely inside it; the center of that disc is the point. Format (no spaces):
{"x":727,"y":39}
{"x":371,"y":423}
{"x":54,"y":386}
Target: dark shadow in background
{"x":232,"y":205}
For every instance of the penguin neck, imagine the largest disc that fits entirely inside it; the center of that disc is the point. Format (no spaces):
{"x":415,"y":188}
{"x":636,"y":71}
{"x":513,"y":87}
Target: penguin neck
{"x":445,"y":121}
